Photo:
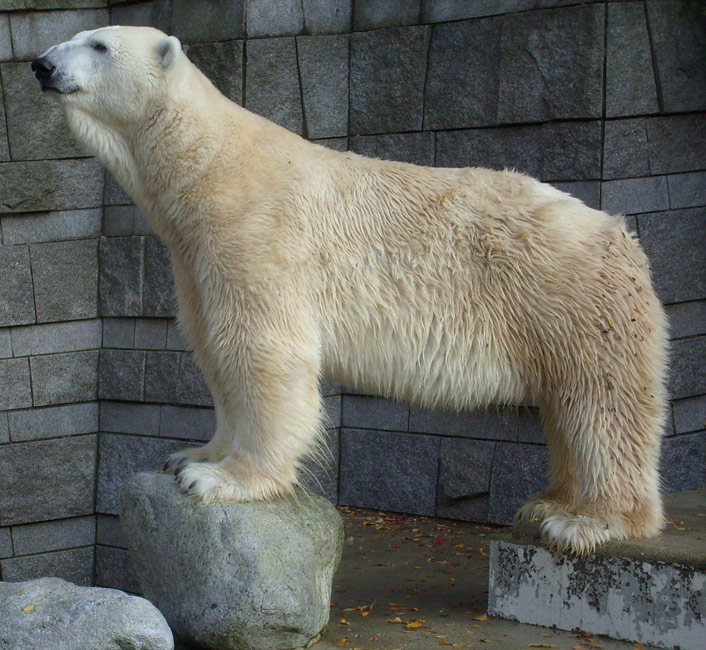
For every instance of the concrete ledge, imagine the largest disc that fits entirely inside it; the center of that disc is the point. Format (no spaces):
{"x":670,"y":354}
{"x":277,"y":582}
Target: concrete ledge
{"x":647,"y":591}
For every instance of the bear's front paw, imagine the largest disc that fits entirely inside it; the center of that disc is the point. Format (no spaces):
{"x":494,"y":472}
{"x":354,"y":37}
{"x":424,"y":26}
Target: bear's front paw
{"x":577,"y":533}
{"x":208,"y":483}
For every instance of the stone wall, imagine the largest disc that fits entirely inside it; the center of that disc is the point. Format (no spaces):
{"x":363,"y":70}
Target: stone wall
{"x":605,"y":100}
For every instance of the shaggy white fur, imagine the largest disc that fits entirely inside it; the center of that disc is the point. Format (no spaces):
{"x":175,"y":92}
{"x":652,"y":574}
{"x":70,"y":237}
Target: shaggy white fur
{"x":446,"y":287}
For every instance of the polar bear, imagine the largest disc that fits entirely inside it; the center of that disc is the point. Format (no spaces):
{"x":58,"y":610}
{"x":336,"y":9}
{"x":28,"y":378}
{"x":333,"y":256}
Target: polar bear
{"x":452,"y":288}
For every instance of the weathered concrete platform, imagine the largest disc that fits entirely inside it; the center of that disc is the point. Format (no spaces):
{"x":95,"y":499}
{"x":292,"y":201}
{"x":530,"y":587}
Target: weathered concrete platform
{"x":647,"y":591}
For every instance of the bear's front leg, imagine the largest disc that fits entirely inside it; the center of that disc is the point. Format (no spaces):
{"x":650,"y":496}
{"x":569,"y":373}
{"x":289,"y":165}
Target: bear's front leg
{"x":272,"y":410}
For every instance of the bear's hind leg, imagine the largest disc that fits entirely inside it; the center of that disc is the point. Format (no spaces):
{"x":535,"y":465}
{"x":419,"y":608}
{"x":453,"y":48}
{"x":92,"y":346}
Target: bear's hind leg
{"x":613,"y":450}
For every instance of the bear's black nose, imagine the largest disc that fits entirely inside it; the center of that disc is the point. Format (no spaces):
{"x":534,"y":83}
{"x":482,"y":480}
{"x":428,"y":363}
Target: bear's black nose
{"x":42,"y":68}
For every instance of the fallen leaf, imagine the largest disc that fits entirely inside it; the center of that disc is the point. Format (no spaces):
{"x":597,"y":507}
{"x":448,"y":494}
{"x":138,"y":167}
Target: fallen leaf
{"x":28,"y":608}
{"x":341,"y":642}
{"x":397,"y":619}
{"x":541,"y":645}
{"x":482,"y":617}
{"x":344,"y":622}
{"x":577,"y":647}
{"x":416,"y":624}
{"x":547,"y":635}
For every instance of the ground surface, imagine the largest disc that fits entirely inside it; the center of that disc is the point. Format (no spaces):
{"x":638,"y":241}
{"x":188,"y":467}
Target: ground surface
{"x":418,"y":583}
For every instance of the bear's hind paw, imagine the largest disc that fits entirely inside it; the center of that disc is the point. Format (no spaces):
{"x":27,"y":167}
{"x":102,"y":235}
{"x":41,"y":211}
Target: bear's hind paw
{"x":576,"y":533}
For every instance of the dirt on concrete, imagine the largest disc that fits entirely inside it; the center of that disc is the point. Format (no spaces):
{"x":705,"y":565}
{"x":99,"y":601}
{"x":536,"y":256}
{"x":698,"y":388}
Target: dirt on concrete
{"x":419,"y":583}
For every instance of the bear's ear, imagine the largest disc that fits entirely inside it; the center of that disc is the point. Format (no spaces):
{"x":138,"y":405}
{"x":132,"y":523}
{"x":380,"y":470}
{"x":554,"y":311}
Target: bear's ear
{"x":168,"y":49}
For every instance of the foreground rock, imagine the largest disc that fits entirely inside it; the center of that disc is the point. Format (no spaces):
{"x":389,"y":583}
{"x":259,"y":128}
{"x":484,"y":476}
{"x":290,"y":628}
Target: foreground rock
{"x":233,"y":576}
{"x":50,"y":613}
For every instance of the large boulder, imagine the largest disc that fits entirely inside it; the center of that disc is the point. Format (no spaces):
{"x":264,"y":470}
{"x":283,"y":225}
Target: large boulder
{"x":50,"y":613}
{"x":233,"y":576}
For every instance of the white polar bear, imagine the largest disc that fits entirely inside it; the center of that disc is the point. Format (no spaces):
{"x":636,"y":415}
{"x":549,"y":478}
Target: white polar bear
{"x":445,"y":287}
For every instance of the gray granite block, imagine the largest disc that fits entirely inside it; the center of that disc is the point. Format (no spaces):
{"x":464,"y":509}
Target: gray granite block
{"x":122,"y":375}
{"x":327,"y":16}
{"x":671,"y":142}
{"x":65,"y":276}
{"x":687,"y":368}
{"x":56,"y":337}
{"x":376,"y":468}
{"x":16,"y":384}
{"x":5,"y":542}
{"x":675,"y":241}
{"x":114,"y":570}
{"x":75,"y":565}
{"x":151,"y":333}
{"x":690,"y":414}
{"x":464,"y":479}
{"x":515,"y":147}
{"x":319,"y":473}
{"x":4,"y":429}
{"x":551,"y":65}
{"x":273,"y":82}
{"x":531,"y":428}
{"x":36,"y":124}
{"x":678,"y":30}
{"x":118,"y":332}
{"x":494,"y":423}
{"x":41,"y":185}
{"x":121,"y":276}
{"x":677,"y":468}
{"x":329,"y":387}
{"x":118,"y":220}
{"x":416,"y":148}
{"x":630,"y":82}
{"x":337,"y":144}
{"x":587,"y":191}
{"x":172,"y":377}
{"x":53,"y":421}
{"x":387,"y":74}
{"x":187,"y":422}
{"x":122,"y":417}
{"x":175,"y":340}
{"x":54,"y":535}
{"x":363,"y":412}
{"x":222,"y":63}
{"x":635,"y":195}
{"x":687,"y":319}
{"x":4,"y":142}
{"x":332,"y":409}
{"x":323,"y":67}
{"x":114,"y":194}
{"x":438,"y":11}
{"x":372,"y":14}
{"x":625,"y":152}
{"x":121,"y":456}
{"x":519,"y":471}
{"x":216,"y":20}
{"x":47,"y":479}
{"x":571,"y":151}
{"x":62,"y":378}
{"x":155,"y":14}
{"x":158,"y":296}
{"x":5,"y":343}
{"x":109,"y":532}
{"x":51,"y":226}
{"x":16,"y":295}
{"x":457,"y":94}
{"x":5,"y":39}
{"x":35,"y":32}
{"x":265,"y":18}
{"x":687,"y":190}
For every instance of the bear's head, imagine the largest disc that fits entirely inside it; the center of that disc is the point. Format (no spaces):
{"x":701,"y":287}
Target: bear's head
{"x":110,"y":82}
{"x":110,"y":73}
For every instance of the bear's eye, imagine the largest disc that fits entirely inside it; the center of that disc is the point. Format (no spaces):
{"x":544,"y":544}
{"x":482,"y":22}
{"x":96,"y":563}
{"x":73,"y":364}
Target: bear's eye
{"x":99,"y":47}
